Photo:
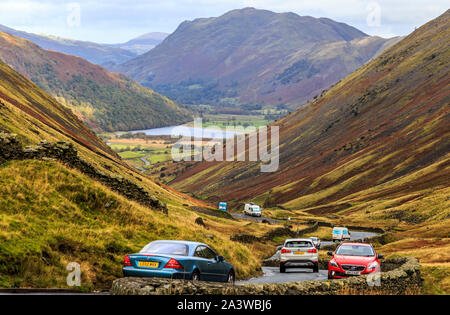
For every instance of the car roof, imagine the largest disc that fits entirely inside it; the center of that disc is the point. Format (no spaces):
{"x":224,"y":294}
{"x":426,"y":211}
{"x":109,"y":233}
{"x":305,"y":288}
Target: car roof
{"x":297,"y":239}
{"x":355,"y":243}
{"x":181,"y":242}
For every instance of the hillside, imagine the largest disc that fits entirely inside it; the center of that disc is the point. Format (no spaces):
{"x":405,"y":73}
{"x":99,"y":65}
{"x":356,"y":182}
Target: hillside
{"x":104,"y":101}
{"x":52,"y":214}
{"x":280,"y":59}
{"x":374,"y":148}
{"x":93,"y":52}
{"x":142,"y":44}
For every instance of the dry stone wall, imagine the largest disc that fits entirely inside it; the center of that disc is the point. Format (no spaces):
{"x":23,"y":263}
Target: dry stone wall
{"x":65,"y":152}
{"x":403,"y":278}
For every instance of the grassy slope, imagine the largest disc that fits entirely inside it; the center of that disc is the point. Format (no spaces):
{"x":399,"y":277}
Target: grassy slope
{"x":51,"y":215}
{"x":103,"y":100}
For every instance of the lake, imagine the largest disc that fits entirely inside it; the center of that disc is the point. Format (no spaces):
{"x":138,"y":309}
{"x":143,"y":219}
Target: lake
{"x":186,"y":131}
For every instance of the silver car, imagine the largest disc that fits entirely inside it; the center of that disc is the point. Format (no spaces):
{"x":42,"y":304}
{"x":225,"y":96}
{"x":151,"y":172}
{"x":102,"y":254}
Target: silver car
{"x":316,"y":242}
{"x":299,"y":253}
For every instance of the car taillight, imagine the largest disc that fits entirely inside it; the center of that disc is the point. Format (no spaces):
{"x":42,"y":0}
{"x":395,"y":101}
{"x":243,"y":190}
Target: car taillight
{"x":314,"y":251}
{"x":285,"y":251}
{"x":127,"y":261}
{"x":173,"y":264}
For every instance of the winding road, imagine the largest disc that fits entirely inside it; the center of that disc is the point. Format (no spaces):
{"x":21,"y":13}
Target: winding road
{"x":243,"y":216}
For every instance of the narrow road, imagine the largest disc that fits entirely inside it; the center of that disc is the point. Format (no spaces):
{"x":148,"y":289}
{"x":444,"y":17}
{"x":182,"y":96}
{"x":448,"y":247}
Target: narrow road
{"x":354,"y":236}
{"x":273,"y":275}
{"x":144,"y":159}
{"x":255,"y":219}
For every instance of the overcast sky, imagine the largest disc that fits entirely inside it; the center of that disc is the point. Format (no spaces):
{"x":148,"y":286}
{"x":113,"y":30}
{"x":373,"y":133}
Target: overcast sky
{"x":114,"y":21}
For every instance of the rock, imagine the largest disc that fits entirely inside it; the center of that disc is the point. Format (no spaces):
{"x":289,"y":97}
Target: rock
{"x":200,"y":222}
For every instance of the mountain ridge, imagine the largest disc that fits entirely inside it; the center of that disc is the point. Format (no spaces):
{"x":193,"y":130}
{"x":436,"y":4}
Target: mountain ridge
{"x":214,"y":57}
{"x":93,"y":52}
{"x":105,"y":101}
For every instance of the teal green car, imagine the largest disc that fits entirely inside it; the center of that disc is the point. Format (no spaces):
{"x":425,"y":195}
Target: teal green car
{"x":179,"y":260}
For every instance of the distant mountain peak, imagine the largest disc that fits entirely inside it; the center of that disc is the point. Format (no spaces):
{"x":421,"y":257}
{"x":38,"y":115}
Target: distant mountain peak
{"x":252,"y":56}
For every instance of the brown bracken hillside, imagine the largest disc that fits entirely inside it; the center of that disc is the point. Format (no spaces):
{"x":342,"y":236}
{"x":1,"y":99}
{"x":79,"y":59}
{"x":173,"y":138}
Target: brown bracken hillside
{"x":103,"y":100}
{"x":380,"y":134}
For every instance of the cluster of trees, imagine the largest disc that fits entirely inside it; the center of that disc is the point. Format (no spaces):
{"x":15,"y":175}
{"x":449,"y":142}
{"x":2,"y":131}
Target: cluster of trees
{"x":111,"y":107}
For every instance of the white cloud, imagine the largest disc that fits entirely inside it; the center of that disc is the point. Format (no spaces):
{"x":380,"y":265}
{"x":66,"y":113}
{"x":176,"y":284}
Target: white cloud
{"x":119,"y":20}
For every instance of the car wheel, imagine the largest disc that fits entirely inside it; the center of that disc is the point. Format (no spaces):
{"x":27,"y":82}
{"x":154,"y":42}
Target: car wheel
{"x":195,"y":276}
{"x":316,"y":268}
{"x":282,"y":268}
{"x":231,"y":277}
{"x":330,"y":277}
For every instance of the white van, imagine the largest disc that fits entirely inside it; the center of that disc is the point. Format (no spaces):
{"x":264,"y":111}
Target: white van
{"x":340,"y":234}
{"x":252,"y":210}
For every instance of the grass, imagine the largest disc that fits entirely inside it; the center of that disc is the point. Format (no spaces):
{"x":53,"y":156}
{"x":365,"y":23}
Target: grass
{"x":51,"y":216}
{"x":436,"y":279}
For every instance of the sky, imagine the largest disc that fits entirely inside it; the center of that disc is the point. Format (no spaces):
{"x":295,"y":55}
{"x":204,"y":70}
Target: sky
{"x":117,"y":21}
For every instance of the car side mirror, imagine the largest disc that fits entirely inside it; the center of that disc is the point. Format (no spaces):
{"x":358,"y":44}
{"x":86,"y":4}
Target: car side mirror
{"x":379,"y":256}
{"x":220,"y":258}
{"x":330,"y":253}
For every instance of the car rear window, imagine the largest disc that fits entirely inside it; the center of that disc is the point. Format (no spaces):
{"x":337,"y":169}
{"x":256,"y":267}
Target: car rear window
{"x":355,"y":250}
{"x":166,"y":249}
{"x":299,"y":244}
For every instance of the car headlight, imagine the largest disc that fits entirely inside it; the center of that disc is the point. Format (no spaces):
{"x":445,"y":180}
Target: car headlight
{"x":373,"y":265}
{"x":334,"y":264}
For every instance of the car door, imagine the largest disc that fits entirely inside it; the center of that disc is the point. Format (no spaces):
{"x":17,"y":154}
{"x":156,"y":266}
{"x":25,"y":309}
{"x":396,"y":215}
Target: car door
{"x":216,"y":269}
{"x":202,"y":263}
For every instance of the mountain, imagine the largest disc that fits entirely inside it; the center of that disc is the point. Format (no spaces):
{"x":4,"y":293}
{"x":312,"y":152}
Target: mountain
{"x":92,"y":52}
{"x":85,"y":206}
{"x":104,"y":101}
{"x":280,"y":59}
{"x":376,"y":146}
{"x":142,"y":44}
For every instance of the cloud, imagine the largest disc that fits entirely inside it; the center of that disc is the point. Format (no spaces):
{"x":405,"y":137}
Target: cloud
{"x":120,"y":20}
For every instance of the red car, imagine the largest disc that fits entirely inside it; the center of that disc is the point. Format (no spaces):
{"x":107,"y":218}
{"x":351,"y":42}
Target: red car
{"x":353,"y":259}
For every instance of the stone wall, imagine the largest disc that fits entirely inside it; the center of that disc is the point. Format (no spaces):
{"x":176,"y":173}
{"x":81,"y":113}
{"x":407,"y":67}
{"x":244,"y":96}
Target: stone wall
{"x":404,"y":278}
{"x":282,"y":231}
{"x":65,"y":152}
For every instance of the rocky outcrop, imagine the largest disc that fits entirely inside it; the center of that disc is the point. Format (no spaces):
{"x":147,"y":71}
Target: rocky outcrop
{"x":404,"y":278}
{"x":65,"y":152}
{"x":10,"y":147}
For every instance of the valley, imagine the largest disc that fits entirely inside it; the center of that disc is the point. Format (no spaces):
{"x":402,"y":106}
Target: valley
{"x":87,"y":173}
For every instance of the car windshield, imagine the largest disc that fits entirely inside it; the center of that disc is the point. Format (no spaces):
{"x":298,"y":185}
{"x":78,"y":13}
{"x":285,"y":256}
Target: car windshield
{"x":298,"y":244}
{"x":355,"y":250}
{"x":314,"y":238}
{"x":165,"y":249}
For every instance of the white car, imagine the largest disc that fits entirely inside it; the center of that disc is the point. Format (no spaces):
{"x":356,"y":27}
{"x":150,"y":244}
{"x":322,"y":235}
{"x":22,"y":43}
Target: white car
{"x":298,"y":253}
{"x":252,"y":210}
{"x":316,"y":242}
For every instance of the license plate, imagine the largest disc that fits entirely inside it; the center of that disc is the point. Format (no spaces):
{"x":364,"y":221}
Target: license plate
{"x":148,"y":264}
{"x":299,"y":253}
{"x":353,"y":273}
